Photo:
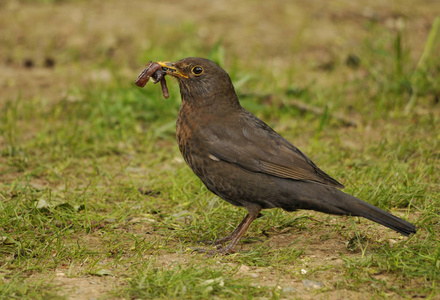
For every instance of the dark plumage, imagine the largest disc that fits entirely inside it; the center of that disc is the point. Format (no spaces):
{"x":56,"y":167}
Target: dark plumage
{"x":244,"y":161}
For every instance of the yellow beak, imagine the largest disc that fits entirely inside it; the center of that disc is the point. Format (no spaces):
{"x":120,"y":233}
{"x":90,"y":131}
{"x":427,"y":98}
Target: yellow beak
{"x":169,"y":68}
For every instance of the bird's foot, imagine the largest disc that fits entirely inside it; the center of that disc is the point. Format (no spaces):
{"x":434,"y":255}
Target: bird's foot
{"x":205,"y":242}
{"x":216,"y":242}
{"x":219,"y":250}
{"x":222,"y":241}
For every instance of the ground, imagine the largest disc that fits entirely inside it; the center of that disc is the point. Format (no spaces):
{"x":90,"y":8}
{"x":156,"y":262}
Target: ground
{"x":98,"y":203}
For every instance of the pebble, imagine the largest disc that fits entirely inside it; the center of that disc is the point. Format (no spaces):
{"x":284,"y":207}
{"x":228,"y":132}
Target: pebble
{"x":183,"y":216}
{"x":312,"y":285}
{"x":243,"y":269}
{"x":288,"y":289}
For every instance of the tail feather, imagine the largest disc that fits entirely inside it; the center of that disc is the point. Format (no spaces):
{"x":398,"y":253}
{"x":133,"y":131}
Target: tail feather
{"x":305,"y":195}
{"x":377,"y":215}
{"x":356,"y":207}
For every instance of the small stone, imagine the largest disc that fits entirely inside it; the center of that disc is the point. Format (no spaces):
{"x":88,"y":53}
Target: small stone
{"x":6,"y":240}
{"x":288,"y":289}
{"x":391,"y":242}
{"x":312,"y":285}
{"x":183,"y":216}
{"x":243,"y":269}
{"x":42,"y":204}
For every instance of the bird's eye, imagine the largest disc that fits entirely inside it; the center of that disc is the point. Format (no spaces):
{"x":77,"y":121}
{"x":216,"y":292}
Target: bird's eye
{"x":197,"y":70}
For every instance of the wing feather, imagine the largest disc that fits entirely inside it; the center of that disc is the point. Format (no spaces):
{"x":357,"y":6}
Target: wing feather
{"x":258,"y":148}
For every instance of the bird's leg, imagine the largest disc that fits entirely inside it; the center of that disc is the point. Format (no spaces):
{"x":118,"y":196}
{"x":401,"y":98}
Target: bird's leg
{"x":234,"y":237}
{"x":233,"y":233}
{"x":241,"y":229}
{"x":236,"y":230}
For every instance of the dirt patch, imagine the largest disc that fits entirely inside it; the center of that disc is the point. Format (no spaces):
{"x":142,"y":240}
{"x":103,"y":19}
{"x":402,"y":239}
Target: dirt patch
{"x":85,"y":288}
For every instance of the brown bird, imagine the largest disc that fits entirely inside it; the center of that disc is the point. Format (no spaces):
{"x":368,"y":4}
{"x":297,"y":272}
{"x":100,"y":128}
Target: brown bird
{"x":244,"y":161}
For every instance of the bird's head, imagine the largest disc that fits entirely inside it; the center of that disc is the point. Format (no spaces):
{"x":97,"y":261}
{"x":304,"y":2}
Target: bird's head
{"x":201,"y":81}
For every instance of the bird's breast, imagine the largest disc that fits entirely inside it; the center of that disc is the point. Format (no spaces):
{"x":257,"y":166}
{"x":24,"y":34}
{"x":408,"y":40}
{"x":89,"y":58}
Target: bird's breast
{"x":188,"y":133}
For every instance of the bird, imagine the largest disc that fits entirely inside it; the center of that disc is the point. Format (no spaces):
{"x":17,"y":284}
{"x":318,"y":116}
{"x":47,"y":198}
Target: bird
{"x":244,"y":161}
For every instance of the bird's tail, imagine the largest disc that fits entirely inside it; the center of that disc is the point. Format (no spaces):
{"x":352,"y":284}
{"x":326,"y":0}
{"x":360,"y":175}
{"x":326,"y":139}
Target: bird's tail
{"x":366,"y":210}
{"x":333,"y":201}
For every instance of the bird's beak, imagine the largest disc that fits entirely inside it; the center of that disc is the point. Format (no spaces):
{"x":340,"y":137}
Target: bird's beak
{"x":170,"y":69}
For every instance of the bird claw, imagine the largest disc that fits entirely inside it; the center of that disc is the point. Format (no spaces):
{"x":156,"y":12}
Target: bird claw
{"x":216,"y":242}
{"x":206,"y":242}
{"x":219,"y":250}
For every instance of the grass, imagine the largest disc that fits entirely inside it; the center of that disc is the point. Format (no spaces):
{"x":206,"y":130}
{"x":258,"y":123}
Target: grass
{"x":192,"y":282}
{"x":72,"y":165}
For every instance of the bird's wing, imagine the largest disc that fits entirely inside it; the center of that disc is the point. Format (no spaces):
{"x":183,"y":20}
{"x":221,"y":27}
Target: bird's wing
{"x":258,"y":148}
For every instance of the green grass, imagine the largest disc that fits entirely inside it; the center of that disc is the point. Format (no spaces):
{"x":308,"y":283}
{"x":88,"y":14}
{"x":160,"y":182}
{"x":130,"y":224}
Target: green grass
{"x":71,"y":166}
{"x":193,"y":281}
